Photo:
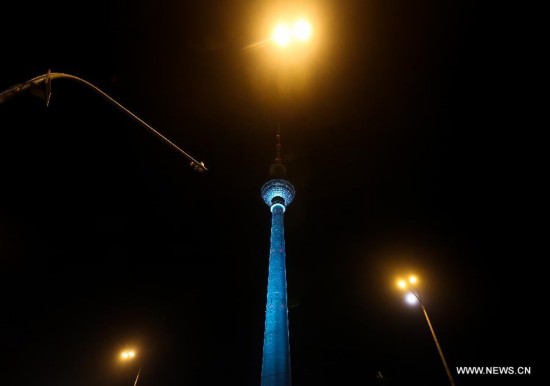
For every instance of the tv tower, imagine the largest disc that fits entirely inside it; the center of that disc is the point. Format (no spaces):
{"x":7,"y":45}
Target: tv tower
{"x":277,"y":193}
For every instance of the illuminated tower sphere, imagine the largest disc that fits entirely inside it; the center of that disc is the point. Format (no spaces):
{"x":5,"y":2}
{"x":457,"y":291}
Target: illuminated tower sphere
{"x":277,"y":194}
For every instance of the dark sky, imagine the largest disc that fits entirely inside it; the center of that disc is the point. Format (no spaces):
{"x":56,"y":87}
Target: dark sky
{"x":409,"y":132}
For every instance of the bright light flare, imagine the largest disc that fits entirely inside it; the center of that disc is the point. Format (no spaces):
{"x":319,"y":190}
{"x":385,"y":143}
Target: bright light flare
{"x":404,"y":284}
{"x":127,"y":355}
{"x":411,"y":298}
{"x":302,"y":30}
{"x":284,"y":34}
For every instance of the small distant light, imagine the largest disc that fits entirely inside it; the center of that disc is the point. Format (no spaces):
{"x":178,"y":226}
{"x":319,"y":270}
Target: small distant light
{"x":302,"y":30}
{"x":411,"y":298}
{"x":131,"y":354}
{"x":124,"y":355}
{"x":402,"y":284}
{"x":413,"y":279}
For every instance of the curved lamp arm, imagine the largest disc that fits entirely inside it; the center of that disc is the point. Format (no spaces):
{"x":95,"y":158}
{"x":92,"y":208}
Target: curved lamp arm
{"x":49,"y":76}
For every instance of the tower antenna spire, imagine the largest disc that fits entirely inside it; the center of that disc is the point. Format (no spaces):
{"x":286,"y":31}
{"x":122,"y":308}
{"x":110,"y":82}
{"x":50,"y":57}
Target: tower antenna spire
{"x":278,"y":169}
{"x":278,"y":146}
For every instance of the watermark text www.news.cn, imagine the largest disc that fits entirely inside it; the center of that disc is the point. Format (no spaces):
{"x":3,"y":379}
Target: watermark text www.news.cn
{"x":493,"y":370}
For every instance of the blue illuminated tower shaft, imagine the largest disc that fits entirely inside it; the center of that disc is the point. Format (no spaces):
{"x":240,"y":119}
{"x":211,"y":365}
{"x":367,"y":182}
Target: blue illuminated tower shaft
{"x":276,"y":353}
{"x":276,"y":358}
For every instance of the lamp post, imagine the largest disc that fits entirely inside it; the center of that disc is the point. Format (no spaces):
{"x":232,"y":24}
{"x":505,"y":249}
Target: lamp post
{"x":412,"y":297}
{"x":42,"y":85}
{"x":129,"y":355}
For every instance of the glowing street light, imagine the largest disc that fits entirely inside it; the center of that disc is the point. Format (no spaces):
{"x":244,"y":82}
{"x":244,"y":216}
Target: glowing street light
{"x":413,"y":297}
{"x":302,"y":30}
{"x":126,"y":355}
{"x":129,"y":355}
{"x":284,"y":34}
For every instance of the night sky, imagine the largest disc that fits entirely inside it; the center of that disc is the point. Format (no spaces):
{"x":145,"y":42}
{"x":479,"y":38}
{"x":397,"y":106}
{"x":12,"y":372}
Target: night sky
{"x":409,"y":133}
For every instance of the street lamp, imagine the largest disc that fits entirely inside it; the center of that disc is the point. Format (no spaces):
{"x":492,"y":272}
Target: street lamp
{"x":285,"y":33}
{"x":42,"y":85}
{"x":413,"y":297}
{"x":129,"y":355}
